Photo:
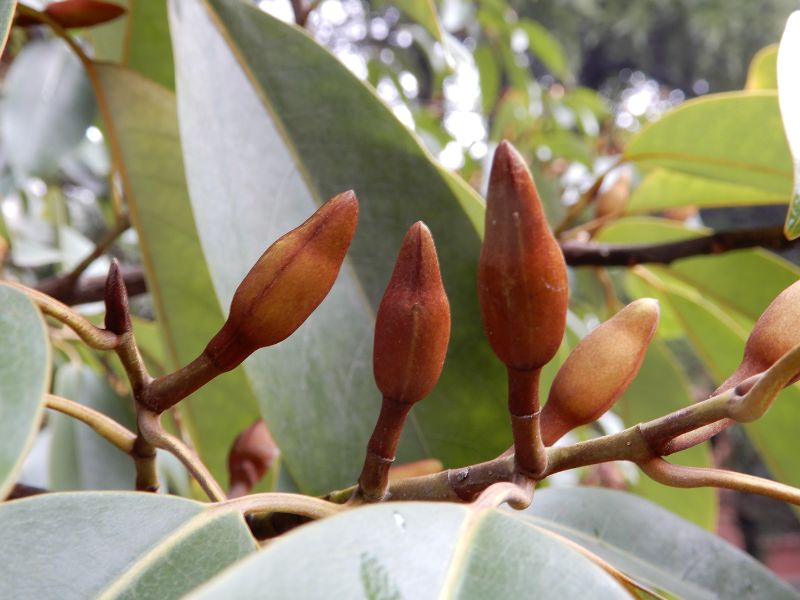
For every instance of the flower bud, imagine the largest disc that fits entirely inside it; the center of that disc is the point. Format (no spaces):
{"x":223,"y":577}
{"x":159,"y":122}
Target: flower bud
{"x":287,"y":283}
{"x":83,"y":13}
{"x":251,"y":456}
{"x":412,"y":327}
{"x":599,"y":369}
{"x":774,"y":334}
{"x":522,"y":277}
{"x":118,"y":316}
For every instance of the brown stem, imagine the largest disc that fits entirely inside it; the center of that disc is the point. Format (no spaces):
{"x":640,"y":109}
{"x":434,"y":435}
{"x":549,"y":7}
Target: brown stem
{"x":102,"y":424}
{"x":523,"y":404}
{"x":626,"y":255}
{"x":91,"y":289}
{"x":691,"y":477}
{"x":300,"y":12}
{"x":165,"y":392}
{"x":381,"y":450}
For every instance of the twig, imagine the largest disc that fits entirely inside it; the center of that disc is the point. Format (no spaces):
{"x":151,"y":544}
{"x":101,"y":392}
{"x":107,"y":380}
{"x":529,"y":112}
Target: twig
{"x":91,"y":289}
{"x":691,"y":477}
{"x":20,"y":490}
{"x":626,"y":255}
{"x":150,"y":428}
{"x":300,"y":12}
{"x":296,"y":504}
{"x":103,"y":425}
{"x":97,"y":338}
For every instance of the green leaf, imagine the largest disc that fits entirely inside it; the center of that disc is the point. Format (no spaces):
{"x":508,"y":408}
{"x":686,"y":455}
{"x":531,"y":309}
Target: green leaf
{"x":47,"y":106}
{"x":654,"y":546}
{"x":663,"y":189}
{"x":139,"y":39}
{"x":272,"y":125}
{"x":6,"y":16}
{"x":144,"y":121}
{"x":763,"y":71}
{"x":420,"y":551}
{"x":546,"y":47}
{"x":424,"y":13}
{"x":24,"y":380}
{"x":115,"y":545}
{"x":79,"y":458}
{"x":789,"y":97}
{"x":490,"y":76}
{"x":714,"y":137}
{"x":661,"y":387}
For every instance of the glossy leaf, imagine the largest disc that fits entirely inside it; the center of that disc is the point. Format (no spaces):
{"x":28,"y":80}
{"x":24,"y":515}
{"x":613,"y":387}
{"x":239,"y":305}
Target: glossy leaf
{"x":24,"y":380}
{"x":663,"y":189}
{"x":420,"y":551}
{"x":47,"y":106}
{"x":79,"y":458}
{"x":6,"y":16}
{"x":763,"y":72}
{"x":145,"y":124}
{"x":115,"y":545}
{"x":660,"y":387}
{"x":272,"y":125}
{"x":789,"y":97}
{"x":732,"y":125}
{"x":654,"y":546}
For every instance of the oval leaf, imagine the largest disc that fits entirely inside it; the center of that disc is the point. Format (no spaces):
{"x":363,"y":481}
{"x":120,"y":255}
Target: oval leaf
{"x":653,"y":546}
{"x":115,"y":545}
{"x":24,"y":380}
{"x":420,"y":551}
{"x":272,"y":125}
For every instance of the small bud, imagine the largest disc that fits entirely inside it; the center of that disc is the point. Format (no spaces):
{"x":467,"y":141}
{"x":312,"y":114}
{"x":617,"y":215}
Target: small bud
{"x":412,"y":327}
{"x":251,"y":456}
{"x":118,"y":316}
{"x":287,"y":283}
{"x":774,"y":334}
{"x":599,"y":369}
{"x":72,"y":14}
{"x":522,"y":277}
{"x":613,"y":200}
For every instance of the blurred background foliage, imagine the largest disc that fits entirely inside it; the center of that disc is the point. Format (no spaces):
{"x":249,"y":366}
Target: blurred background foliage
{"x":573,"y":84}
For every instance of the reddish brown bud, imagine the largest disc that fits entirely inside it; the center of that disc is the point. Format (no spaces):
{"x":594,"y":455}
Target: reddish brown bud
{"x":287,"y":283}
{"x":774,"y":334}
{"x":250,"y":458}
{"x":599,"y":369}
{"x":82,"y":13}
{"x":118,"y":316}
{"x":522,"y":277}
{"x":412,"y":328}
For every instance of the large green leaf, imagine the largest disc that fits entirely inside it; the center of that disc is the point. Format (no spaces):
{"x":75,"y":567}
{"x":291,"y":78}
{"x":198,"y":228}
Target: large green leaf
{"x":79,"y":458}
{"x":272,"y":125}
{"x":24,"y":380}
{"x":6,"y":16}
{"x":115,"y":545}
{"x":663,"y":189}
{"x":661,"y":387}
{"x":715,"y":137}
{"x":654,"y":546}
{"x":424,"y":13}
{"x":47,"y":106}
{"x":546,"y":48}
{"x":420,"y":551}
{"x":789,"y":97}
{"x":144,"y":124}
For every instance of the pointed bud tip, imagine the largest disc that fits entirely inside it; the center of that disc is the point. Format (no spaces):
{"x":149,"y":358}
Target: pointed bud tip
{"x":118,"y":318}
